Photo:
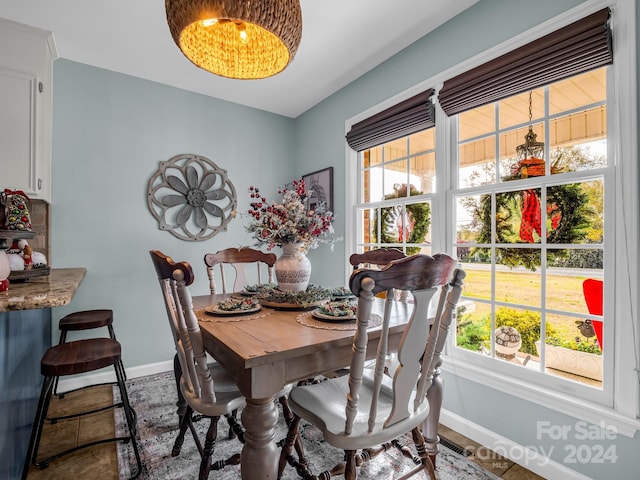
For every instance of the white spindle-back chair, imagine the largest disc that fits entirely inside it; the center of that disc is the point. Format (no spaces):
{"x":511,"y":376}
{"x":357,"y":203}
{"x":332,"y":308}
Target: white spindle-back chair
{"x":239,"y":258}
{"x":207,"y":388}
{"x":361,"y":411}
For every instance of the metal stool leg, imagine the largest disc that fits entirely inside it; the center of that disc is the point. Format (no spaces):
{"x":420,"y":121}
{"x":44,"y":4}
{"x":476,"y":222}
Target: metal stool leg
{"x":36,"y":430}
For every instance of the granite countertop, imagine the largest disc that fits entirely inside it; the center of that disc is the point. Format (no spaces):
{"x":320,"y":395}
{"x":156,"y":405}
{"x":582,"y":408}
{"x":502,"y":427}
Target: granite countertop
{"x":53,"y":290}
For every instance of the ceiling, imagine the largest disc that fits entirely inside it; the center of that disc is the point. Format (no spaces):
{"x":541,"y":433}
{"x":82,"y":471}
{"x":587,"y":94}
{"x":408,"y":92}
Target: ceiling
{"x":341,"y":40}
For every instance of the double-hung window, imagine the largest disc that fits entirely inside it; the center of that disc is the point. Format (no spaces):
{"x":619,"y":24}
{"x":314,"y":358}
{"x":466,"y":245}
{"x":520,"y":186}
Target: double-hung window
{"x":520,"y":185}
{"x":530,"y":230}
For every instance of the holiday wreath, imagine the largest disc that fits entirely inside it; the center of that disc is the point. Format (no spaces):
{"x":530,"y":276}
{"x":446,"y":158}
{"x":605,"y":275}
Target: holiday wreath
{"x":398,"y":228}
{"x":568,"y":219}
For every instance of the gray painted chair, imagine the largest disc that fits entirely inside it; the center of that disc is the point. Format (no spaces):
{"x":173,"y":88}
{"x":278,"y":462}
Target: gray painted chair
{"x":208,"y":390}
{"x":358,"y":413}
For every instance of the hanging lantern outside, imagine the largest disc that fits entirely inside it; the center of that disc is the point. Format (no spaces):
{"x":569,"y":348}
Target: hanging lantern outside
{"x":531,"y":152}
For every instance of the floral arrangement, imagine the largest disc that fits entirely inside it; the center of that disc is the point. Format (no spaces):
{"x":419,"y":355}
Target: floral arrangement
{"x":290,"y":220}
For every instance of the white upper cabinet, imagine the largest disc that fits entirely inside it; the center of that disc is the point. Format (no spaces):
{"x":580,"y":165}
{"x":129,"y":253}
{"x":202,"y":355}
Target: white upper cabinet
{"x":26,"y":63}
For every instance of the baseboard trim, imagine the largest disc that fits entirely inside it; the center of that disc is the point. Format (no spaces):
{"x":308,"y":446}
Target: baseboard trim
{"x":71,"y":383}
{"x":527,"y":457}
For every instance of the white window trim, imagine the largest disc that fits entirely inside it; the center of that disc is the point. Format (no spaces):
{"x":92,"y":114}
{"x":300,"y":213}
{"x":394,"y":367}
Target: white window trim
{"x":624,"y":412}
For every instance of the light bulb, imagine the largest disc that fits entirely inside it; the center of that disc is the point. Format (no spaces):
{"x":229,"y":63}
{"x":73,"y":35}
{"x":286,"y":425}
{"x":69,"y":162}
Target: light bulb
{"x":208,"y":22}
{"x":242,"y":31}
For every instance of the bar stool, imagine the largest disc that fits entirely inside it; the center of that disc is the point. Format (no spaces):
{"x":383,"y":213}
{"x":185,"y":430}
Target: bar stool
{"x":71,"y":358}
{"x":86,"y":320}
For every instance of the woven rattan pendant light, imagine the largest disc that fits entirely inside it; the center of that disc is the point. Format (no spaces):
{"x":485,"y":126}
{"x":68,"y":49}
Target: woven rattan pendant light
{"x":237,"y":39}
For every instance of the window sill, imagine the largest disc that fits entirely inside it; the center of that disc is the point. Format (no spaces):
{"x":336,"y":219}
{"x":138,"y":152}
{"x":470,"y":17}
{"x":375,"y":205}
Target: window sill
{"x":557,"y":401}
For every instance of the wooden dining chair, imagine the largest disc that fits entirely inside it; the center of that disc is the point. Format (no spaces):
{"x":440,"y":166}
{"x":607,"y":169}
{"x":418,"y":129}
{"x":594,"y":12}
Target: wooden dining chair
{"x":208,"y":390}
{"x":378,"y":257}
{"x":239,"y":258}
{"x":363,"y":415}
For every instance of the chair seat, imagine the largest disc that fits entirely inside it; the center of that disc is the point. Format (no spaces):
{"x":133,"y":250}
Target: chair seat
{"x":80,"y":356}
{"x":86,"y":319}
{"x":323,"y":405}
{"x":228,"y":397}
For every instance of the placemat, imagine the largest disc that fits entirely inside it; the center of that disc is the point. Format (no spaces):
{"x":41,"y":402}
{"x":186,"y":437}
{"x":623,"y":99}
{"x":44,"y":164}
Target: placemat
{"x":308,"y":320}
{"x":207,"y":317}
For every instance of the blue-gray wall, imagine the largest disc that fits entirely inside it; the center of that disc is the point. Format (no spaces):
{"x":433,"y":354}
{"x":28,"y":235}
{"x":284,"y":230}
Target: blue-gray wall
{"x":110,"y":132}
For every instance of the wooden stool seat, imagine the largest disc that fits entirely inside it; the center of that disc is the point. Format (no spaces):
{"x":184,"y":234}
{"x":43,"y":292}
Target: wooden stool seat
{"x":85,"y":320}
{"x":71,"y":358}
{"x":80,"y":356}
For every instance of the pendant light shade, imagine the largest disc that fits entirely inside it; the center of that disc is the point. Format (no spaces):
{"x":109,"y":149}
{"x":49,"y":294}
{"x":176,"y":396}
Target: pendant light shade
{"x":237,"y":39}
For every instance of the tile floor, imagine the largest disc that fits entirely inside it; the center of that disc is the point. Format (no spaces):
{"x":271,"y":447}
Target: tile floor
{"x":100,"y":462}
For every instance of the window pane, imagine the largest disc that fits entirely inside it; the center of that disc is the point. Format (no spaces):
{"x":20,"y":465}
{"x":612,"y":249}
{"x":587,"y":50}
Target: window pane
{"x":372,"y":156}
{"x":476,"y":162}
{"x":520,"y":285}
{"x":405,"y":224}
{"x":388,"y":219}
{"x":570,"y":354}
{"x":477,"y":283}
{"x":518,"y":216}
{"x":476,"y":122}
{"x":366,"y":218}
{"x":473,"y":326}
{"x":585,"y":126}
{"x":395,"y":175}
{"x":467,"y":224}
{"x":373,"y":190}
{"x":395,"y":149}
{"x":416,"y":225}
{"x":579,"y":157}
{"x":527,"y":325}
{"x":575,"y":92}
{"x":590,"y":260}
{"x":422,"y":141}
{"x":575,"y":213}
{"x":423,"y":172}
{"x":515,"y":110}
{"x":564,"y":292}
{"x":511,"y":166}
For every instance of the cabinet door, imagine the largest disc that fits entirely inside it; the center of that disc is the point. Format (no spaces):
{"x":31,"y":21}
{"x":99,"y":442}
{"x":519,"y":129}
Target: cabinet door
{"x":18,"y":167}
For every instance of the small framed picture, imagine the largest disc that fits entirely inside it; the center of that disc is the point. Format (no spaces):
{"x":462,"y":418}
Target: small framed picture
{"x":320,"y":184}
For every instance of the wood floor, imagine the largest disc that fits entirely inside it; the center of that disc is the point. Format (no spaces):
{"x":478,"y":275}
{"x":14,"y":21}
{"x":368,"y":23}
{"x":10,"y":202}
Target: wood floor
{"x":100,"y":462}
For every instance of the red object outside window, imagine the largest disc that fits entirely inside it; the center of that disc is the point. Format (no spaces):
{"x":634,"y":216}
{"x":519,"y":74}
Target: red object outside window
{"x":592,"y":289}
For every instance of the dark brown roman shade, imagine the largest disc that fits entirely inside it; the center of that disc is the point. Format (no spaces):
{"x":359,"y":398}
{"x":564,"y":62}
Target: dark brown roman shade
{"x":407,"y":117}
{"x":574,"y":49}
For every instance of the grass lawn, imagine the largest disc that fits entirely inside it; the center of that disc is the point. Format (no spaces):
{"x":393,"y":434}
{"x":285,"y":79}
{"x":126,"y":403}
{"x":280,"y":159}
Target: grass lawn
{"x":563,"y":293}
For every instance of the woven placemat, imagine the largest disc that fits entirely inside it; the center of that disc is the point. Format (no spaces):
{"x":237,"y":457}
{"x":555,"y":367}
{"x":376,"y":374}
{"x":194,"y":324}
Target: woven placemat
{"x":308,"y":320}
{"x":203,"y":316}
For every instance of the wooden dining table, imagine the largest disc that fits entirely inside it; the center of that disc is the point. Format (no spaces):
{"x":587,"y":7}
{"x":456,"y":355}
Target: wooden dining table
{"x":273,"y":348}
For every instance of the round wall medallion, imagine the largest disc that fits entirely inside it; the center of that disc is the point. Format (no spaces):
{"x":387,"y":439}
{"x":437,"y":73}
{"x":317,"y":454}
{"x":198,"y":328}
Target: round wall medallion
{"x":191,"y":197}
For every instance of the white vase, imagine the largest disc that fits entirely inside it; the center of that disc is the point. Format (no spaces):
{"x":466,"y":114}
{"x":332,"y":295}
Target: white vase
{"x":293,"y":269}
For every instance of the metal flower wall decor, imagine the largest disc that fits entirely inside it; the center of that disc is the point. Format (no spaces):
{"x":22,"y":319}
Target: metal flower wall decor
{"x":191,"y":197}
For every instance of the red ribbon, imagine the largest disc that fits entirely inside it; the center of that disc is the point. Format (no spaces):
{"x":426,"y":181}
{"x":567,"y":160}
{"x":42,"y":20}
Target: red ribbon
{"x":15,"y":192}
{"x":531,"y":218}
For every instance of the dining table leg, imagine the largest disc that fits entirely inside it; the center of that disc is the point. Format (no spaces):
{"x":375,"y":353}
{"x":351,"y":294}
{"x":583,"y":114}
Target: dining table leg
{"x":260,"y":455}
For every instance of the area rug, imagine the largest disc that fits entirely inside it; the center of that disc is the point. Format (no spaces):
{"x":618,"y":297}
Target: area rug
{"x":154,"y":399}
